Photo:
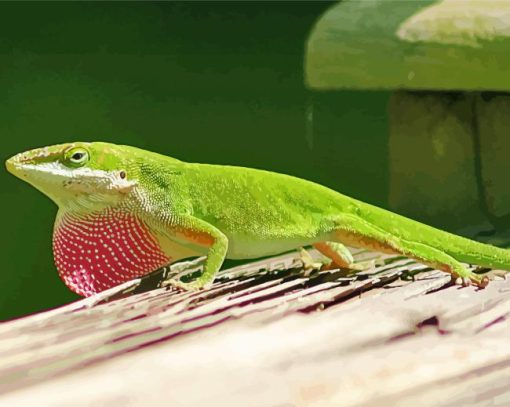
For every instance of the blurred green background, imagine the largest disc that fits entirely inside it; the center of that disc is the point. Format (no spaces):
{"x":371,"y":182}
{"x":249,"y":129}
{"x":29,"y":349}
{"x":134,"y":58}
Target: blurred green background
{"x":206,"y":82}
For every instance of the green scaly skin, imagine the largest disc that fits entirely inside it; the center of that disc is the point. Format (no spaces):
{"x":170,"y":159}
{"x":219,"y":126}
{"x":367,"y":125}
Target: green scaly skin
{"x":234,"y":212}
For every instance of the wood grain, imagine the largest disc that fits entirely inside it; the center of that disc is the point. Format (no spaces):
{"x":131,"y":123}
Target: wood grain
{"x":266,"y":334}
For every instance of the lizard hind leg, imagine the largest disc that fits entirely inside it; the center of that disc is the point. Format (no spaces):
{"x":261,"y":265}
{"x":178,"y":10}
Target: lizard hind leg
{"x":442,"y":261}
{"x":339,"y":254}
{"x":357,"y":232}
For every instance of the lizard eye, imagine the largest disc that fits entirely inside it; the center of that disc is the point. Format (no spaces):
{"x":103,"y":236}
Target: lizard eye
{"x":76,"y":157}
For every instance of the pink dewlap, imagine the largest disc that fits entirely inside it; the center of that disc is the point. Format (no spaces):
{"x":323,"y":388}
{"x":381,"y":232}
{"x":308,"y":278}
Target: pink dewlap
{"x":102,"y":250}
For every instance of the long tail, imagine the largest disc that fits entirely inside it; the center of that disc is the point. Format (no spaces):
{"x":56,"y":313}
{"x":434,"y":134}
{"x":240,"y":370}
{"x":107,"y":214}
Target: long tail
{"x":481,"y":254}
{"x":460,"y":248}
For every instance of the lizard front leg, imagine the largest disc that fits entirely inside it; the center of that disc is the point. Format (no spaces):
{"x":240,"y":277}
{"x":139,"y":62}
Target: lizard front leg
{"x":197,"y":232}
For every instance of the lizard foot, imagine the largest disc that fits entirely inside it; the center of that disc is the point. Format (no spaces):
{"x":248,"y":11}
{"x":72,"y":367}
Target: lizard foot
{"x":192,"y":286}
{"x":309,"y":263}
{"x":471,"y":278}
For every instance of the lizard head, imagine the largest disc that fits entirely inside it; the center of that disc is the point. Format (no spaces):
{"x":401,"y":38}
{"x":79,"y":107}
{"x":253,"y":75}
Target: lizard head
{"x":80,"y":175}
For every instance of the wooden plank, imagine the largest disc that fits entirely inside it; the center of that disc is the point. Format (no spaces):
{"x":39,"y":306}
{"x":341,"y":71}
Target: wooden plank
{"x":267,"y":338}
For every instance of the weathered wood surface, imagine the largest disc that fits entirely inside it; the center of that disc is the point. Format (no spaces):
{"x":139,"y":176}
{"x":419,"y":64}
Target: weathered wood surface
{"x":266,"y":335}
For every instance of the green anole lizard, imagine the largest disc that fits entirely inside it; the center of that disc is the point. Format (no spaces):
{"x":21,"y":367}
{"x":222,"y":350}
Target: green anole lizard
{"x":125,"y":212}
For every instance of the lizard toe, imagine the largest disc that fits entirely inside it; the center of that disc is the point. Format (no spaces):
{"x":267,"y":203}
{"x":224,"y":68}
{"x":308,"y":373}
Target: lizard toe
{"x":193,"y":286}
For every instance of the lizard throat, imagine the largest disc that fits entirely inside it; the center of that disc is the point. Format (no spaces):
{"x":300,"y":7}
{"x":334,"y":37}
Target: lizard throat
{"x":100,"y":250}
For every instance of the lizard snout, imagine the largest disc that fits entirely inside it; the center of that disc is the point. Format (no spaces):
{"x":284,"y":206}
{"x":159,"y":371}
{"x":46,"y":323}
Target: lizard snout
{"x":12,"y":164}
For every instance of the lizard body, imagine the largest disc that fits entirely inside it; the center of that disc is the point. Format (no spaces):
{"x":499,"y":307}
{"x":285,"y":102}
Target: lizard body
{"x":125,"y":212}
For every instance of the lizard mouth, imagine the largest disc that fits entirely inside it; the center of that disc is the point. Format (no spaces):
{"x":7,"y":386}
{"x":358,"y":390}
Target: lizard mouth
{"x":20,"y":169}
{"x":23,"y":165}
{"x":44,"y":177}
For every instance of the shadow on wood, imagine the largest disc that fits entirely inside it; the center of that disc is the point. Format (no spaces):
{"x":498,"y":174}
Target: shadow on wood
{"x":266,"y":334}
